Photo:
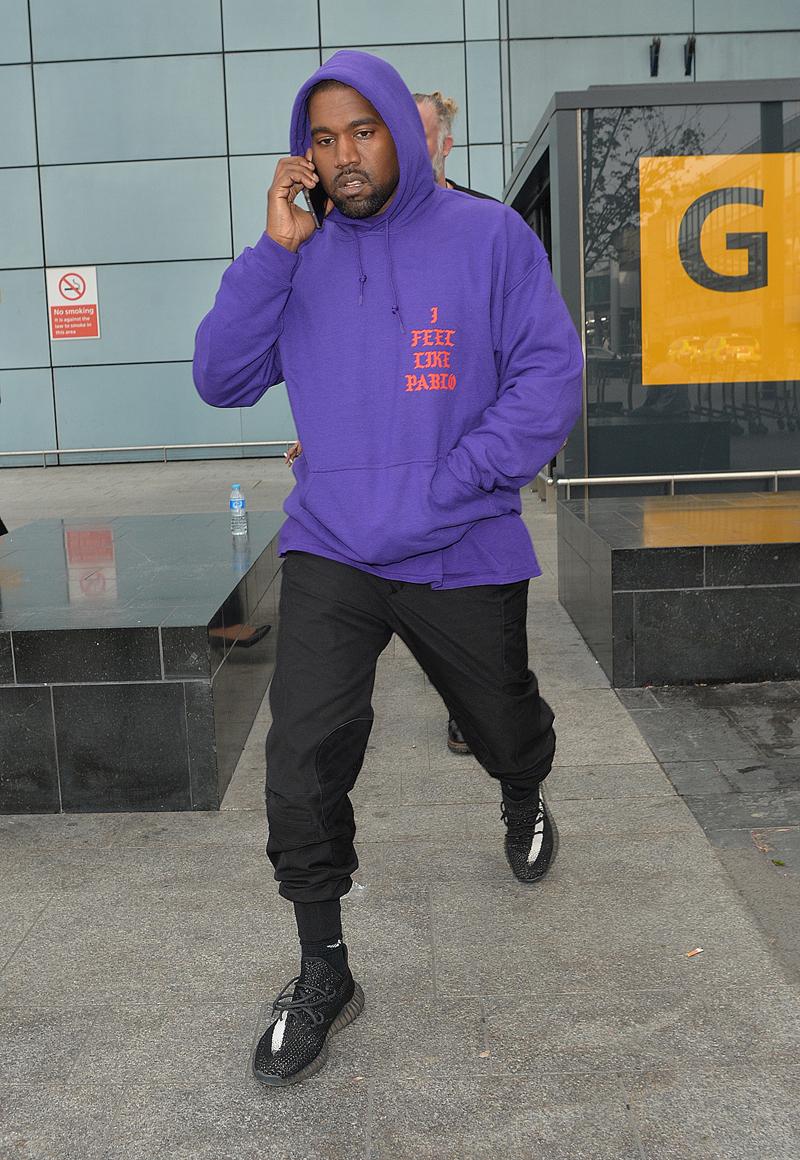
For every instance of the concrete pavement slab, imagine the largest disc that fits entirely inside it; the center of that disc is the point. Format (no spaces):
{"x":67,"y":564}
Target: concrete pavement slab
{"x":592,"y":726}
{"x":118,"y":873}
{"x":630,"y":780}
{"x":242,"y":1120}
{"x":387,"y":927}
{"x":634,"y":1031}
{"x":243,"y":827}
{"x":164,"y":1045}
{"x":450,"y":778}
{"x":182,"y":942}
{"x":246,"y":788}
{"x":40,"y":1044}
{"x":379,"y":821}
{"x":557,"y":937}
{"x":44,"y":1123}
{"x":46,"y":831}
{"x":690,"y":1110}
{"x":22,"y":909}
{"x":560,"y":1118}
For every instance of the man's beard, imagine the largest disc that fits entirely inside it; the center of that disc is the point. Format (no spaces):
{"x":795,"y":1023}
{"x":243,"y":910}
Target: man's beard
{"x":363,"y":206}
{"x":438,"y":165}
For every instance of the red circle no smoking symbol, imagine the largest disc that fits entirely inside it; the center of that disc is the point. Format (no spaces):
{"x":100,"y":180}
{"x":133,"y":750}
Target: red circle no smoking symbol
{"x":71,"y":286}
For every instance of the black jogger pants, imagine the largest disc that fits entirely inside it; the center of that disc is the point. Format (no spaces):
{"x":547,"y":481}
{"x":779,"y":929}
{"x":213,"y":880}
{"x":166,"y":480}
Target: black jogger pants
{"x":334,"y":622}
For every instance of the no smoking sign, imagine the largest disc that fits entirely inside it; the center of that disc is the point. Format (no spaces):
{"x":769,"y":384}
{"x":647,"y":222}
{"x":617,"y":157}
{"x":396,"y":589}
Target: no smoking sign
{"x":71,"y":286}
{"x":72,"y":302}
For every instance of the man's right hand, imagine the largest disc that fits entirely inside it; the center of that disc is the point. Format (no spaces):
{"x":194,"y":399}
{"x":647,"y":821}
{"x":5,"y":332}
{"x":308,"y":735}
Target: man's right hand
{"x":292,"y":453}
{"x":287,"y":223}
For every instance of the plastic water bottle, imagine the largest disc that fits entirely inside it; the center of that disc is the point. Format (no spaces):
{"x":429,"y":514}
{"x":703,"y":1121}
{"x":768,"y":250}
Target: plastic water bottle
{"x":238,"y":506}
{"x":241,"y":554}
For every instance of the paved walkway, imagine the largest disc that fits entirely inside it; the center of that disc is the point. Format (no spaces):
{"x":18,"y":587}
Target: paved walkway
{"x":559,"y":1022}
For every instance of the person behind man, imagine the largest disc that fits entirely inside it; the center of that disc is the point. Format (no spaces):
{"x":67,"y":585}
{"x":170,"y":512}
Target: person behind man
{"x":432,"y":368}
{"x":438,"y":113}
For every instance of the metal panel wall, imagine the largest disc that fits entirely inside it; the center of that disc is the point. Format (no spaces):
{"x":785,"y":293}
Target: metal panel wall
{"x":142,"y":138}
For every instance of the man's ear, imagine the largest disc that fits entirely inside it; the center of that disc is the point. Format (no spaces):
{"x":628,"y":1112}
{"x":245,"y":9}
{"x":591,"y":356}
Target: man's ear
{"x":448,"y":145}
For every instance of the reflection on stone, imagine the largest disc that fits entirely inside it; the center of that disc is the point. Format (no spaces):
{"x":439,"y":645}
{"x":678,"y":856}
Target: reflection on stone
{"x":91,"y":571}
{"x":156,"y":638}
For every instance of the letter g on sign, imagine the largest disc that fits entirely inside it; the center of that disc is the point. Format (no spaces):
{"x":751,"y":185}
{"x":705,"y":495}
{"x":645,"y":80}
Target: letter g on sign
{"x":692,"y":258}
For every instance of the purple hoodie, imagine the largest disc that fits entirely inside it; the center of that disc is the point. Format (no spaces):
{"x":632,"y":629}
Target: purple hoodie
{"x":431,"y":365}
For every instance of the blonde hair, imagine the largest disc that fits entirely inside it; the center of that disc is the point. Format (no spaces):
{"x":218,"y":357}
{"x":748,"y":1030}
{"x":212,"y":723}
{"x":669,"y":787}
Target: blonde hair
{"x":445,"y":109}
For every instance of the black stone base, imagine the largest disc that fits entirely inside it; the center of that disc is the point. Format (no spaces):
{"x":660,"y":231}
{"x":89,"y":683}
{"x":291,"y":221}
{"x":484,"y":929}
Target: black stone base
{"x":126,"y":680}
{"x":677,"y":590}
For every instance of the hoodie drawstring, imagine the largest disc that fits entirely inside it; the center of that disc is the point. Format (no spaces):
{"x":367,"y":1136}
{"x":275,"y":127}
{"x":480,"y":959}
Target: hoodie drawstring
{"x":362,"y":277}
{"x":395,"y":304}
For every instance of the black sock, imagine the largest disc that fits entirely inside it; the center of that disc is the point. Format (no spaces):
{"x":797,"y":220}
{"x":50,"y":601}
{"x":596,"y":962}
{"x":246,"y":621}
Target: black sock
{"x":319,"y":921}
{"x":516,"y":795}
{"x":319,"y":925}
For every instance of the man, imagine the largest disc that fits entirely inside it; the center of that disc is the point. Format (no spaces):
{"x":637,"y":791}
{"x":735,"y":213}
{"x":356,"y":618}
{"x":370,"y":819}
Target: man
{"x":432,"y":369}
{"x":438,"y":113}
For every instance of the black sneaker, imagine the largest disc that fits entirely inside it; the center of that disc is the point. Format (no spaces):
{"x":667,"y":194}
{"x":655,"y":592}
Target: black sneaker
{"x":531,"y":840}
{"x":455,"y":739}
{"x":295,"y":1046}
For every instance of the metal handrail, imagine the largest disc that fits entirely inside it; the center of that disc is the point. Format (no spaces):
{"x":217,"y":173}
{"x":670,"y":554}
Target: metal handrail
{"x":551,"y":481}
{"x":698,"y":477}
{"x":164,"y":447}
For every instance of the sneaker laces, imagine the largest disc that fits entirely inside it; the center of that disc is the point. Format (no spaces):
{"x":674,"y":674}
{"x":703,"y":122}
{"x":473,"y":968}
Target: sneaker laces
{"x":520,"y":819}
{"x":307,"y":1001}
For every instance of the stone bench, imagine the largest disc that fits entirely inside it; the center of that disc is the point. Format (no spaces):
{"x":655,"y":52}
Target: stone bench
{"x":683,"y":589}
{"x":129,"y":672}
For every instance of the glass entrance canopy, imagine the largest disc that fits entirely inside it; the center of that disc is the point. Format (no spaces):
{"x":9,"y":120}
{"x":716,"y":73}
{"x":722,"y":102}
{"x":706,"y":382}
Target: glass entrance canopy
{"x":672,"y":217}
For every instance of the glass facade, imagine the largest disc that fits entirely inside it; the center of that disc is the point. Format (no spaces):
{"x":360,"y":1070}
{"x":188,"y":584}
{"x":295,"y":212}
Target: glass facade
{"x":691,"y":241}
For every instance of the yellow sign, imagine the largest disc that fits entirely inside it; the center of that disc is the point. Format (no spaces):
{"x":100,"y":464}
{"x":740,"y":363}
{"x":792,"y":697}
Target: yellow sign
{"x":720,"y":268}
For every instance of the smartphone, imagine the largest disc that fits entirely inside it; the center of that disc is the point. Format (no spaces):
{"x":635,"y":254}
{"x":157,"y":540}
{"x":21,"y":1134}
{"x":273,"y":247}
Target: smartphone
{"x":316,"y":200}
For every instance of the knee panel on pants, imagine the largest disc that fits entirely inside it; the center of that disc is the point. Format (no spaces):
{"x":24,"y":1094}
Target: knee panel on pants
{"x":339,"y":758}
{"x":306,"y":803}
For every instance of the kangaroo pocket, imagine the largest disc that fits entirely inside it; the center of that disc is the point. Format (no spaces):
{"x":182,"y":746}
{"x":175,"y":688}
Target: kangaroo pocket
{"x":382,"y":515}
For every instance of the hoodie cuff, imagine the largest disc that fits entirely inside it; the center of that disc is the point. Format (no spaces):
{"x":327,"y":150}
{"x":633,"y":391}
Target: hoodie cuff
{"x":273,"y":258}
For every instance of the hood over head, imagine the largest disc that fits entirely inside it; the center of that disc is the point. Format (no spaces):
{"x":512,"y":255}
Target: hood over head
{"x":384,"y":88}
